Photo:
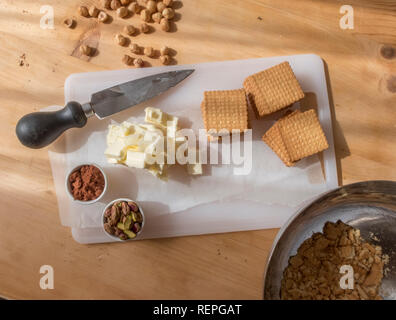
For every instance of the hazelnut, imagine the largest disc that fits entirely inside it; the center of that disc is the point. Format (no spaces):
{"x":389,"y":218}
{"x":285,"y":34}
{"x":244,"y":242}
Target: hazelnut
{"x":106,"y":4}
{"x":168,"y":3}
{"x":86,"y":50}
{"x":168,"y":13}
{"x":149,"y":52}
{"x":164,"y":51}
{"x":83,"y":11}
{"x":115,"y":4}
{"x":134,"y":48}
{"x":134,"y":7}
{"x":156,"y":17}
{"x":129,"y":30}
{"x":120,"y":39}
{"x":145,"y":15}
{"x":128,"y":60}
{"x":165,"y":59}
{"x":165,"y":24}
{"x":122,"y":12}
{"x":69,"y":23}
{"x":125,"y":2}
{"x":93,"y":11}
{"x":138,"y":62}
{"x":144,"y":28}
{"x":103,"y":16}
{"x":151,"y":6}
{"x":161,"y":6}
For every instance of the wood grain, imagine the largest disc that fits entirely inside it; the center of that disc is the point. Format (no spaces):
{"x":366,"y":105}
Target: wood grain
{"x":361,"y":67}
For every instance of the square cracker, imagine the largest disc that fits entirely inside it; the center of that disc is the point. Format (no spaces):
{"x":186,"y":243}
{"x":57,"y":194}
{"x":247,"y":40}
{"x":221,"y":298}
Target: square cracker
{"x":295,"y":136}
{"x":273,"y":139}
{"x":225,"y":109}
{"x":302,"y":135}
{"x":273,"y":89}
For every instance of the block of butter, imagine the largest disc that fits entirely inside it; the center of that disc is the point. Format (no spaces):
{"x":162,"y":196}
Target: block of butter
{"x":144,"y":145}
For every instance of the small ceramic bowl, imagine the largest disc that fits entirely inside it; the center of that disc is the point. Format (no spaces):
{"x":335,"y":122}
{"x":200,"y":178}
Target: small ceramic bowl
{"x":68,"y":187}
{"x":114,"y":238}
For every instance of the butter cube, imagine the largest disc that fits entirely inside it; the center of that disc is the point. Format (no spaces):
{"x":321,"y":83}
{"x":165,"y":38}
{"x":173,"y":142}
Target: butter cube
{"x":157,"y":144}
{"x":135,"y":159}
{"x":116,"y":149}
{"x":155,"y":116}
{"x":128,"y":128}
{"x":161,"y":119}
{"x":119,"y":131}
{"x":149,"y":138}
{"x":133,"y":140}
{"x":194,"y":169}
{"x":150,"y":127}
{"x":172,"y":121}
{"x":114,"y":133}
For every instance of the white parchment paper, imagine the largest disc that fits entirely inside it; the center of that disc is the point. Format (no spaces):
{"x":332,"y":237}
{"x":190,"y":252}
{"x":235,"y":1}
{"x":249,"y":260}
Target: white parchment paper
{"x":269,"y":182}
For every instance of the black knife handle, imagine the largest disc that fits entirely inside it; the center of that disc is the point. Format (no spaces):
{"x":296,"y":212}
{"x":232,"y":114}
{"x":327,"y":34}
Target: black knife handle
{"x":39,"y":129}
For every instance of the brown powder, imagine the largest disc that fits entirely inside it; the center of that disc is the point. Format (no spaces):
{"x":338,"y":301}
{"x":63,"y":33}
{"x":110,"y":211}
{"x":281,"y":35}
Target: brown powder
{"x":87,"y":183}
{"x":314,"y":272}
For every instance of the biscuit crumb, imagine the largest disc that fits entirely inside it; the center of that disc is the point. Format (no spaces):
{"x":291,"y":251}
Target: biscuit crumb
{"x":314,"y":272}
{"x":373,"y":237}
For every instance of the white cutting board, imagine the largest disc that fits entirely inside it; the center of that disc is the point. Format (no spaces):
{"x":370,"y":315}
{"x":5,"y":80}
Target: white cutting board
{"x":215,"y":216}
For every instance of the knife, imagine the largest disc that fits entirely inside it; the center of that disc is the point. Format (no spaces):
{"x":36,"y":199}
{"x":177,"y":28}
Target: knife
{"x":39,"y":129}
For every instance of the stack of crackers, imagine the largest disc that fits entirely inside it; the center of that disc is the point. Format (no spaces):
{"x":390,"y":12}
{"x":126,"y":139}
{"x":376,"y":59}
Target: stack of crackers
{"x":273,"y":89}
{"x":224,"y":111}
{"x":293,"y":137}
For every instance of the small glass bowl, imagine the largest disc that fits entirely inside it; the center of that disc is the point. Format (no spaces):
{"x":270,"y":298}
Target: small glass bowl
{"x":117,"y":238}
{"x":68,"y":187}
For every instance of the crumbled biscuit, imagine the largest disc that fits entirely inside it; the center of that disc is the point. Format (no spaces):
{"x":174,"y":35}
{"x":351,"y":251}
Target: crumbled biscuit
{"x":314,"y":272}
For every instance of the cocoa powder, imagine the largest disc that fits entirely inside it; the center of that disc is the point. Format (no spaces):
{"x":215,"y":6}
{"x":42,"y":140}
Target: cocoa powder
{"x":87,"y":183}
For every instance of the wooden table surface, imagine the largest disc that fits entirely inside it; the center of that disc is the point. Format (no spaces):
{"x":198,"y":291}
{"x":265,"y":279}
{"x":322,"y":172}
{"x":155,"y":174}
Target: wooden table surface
{"x":361,"y":66}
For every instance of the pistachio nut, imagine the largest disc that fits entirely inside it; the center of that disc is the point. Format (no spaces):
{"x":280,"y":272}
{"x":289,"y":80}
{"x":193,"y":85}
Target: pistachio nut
{"x":125,"y":208}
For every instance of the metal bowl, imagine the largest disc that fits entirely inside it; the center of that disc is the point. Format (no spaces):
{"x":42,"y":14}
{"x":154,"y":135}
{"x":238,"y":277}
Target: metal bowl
{"x":368,"y":206}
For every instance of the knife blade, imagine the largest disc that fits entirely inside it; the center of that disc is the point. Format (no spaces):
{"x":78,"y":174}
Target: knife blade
{"x":109,"y":101}
{"x":39,"y":129}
